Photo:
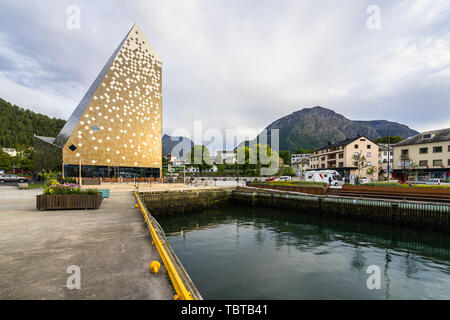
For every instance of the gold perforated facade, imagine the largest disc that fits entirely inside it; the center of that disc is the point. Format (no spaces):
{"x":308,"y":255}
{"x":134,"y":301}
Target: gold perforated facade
{"x":119,"y":121}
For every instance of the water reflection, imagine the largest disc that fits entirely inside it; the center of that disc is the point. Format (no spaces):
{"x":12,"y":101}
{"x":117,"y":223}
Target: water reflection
{"x":283,"y":255}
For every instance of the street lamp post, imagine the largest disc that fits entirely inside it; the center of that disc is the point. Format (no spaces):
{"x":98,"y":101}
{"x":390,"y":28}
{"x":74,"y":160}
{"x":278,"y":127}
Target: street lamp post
{"x":237,"y":172}
{"x":389,"y":156}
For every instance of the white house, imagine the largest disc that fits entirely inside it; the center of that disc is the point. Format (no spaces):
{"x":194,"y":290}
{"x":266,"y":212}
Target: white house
{"x":300,"y":167}
{"x":10,"y":151}
{"x":226,"y":157}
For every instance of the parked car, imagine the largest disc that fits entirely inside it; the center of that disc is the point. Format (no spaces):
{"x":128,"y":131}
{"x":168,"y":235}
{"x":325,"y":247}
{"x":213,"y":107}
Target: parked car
{"x":433,"y":182}
{"x":364,"y":180}
{"x":284,"y":178}
{"x":12,"y":178}
{"x":271,"y":179}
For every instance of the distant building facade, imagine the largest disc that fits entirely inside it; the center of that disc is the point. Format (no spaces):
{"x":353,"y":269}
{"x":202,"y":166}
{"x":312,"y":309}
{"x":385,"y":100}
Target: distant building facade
{"x":385,"y":157}
{"x":297,"y":157}
{"x":116,"y":130}
{"x":426,"y":155}
{"x":301,"y":167}
{"x":226,"y":157}
{"x":339,"y":157}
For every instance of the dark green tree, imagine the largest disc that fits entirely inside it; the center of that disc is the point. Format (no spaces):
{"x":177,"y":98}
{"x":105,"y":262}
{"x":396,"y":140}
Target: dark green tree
{"x":385,"y":140}
{"x":286,"y":156}
{"x":17,"y":125}
{"x":200,"y":157}
{"x":305,"y":151}
{"x":5,"y":161}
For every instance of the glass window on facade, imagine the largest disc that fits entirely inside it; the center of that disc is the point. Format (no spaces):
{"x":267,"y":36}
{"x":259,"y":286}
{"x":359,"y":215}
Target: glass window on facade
{"x":423,"y":163}
{"x":423,"y":150}
{"x":437,"y":149}
{"x":405,"y":154}
{"x":437,"y":163}
{"x":110,"y":172}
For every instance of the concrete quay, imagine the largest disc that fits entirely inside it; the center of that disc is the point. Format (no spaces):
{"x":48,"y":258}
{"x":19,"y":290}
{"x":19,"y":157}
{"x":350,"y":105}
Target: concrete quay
{"x":111,"y":246}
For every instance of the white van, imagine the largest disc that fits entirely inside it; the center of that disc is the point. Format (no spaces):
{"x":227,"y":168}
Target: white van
{"x":324,"y":176}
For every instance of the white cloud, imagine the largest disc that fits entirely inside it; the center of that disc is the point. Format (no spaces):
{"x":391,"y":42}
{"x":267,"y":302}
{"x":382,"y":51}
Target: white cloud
{"x":36,"y":100}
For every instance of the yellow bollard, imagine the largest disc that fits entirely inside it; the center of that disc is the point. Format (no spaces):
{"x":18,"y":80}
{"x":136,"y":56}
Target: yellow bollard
{"x":155,"y":266}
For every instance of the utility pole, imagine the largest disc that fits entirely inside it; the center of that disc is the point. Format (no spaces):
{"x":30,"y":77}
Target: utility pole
{"x":237,"y":171}
{"x":389,"y":156}
{"x":79,"y":170}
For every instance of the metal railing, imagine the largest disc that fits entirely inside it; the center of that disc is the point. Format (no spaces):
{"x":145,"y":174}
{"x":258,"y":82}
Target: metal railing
{"x":180,"y":288}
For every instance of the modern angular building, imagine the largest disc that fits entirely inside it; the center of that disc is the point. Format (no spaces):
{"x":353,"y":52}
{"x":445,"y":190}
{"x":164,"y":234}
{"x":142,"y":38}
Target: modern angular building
{"x":116,"y":130}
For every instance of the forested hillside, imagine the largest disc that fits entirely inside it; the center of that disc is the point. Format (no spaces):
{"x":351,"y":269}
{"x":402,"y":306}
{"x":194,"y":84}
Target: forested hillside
{"x":18,"y":125}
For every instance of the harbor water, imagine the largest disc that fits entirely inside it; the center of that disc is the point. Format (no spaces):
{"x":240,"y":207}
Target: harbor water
{"x":254,"y":253}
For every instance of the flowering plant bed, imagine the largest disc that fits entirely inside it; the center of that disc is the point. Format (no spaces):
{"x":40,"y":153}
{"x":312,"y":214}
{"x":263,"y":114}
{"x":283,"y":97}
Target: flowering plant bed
{"x":67,"y":196}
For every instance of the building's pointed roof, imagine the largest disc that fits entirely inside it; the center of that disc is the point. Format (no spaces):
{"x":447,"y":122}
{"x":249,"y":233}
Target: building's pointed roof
{"x":75,"y":118}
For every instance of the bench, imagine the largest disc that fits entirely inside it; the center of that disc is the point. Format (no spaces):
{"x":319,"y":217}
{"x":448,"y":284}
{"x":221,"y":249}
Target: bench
{"x":23,"y":186}
{"x":105,"y":193}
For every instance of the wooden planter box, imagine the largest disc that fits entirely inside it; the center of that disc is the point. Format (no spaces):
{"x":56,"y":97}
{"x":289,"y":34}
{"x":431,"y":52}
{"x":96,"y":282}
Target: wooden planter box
{"x":398,"y":190}
{"x":68,"y":201}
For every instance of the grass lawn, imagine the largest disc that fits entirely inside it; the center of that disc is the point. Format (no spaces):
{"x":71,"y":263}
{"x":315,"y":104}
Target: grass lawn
{"x":36,"y":186}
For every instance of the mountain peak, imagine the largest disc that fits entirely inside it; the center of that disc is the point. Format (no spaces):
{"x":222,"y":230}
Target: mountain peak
{"x":317,"y":126}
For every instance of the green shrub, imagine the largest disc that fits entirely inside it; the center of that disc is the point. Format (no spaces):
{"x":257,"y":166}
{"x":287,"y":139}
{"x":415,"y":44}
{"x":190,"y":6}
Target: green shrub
{"x":68,"y":188}
{"x":69,"y":180}
{"x":90,"y":191}
{"x":50,"y":177}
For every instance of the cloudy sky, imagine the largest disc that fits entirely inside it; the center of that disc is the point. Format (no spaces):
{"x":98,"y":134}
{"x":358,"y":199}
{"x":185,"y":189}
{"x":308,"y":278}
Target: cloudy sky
{"x":240,"y":64}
